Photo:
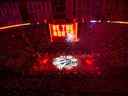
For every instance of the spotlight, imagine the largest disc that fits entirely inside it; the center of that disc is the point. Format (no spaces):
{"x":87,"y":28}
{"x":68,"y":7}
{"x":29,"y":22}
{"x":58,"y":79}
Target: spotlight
{"x":93,"y":21}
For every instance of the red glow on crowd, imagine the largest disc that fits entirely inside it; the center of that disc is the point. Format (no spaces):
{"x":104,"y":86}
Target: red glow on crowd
{"x":89,"y":59}
{"x":44,"y":61}
{"x":48,"y":63}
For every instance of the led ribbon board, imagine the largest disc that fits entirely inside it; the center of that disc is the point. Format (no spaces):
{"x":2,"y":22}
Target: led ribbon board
{"x":63,"y":32}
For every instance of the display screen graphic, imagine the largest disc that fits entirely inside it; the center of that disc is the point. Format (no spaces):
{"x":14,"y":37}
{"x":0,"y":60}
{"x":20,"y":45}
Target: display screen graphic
{"x":66,"y":32}
{"x":65,"y":62}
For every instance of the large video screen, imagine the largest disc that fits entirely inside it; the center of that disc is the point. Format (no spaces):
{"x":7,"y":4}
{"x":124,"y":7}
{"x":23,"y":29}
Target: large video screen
{"x":66,"y":32}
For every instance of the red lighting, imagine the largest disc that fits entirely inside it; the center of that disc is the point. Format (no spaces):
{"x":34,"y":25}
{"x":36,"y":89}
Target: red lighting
{"x":68,"y":63}
{"x":44,"y":61}
{"x":89,"y":59}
